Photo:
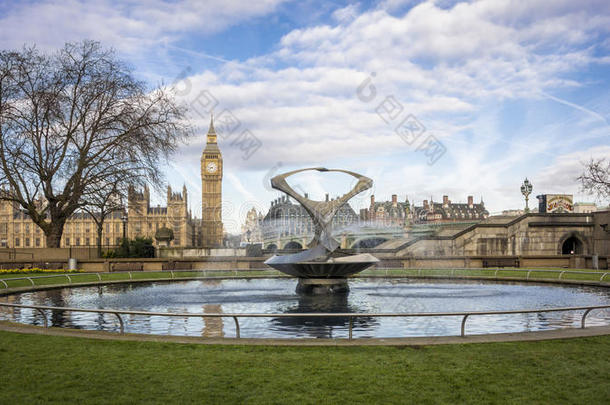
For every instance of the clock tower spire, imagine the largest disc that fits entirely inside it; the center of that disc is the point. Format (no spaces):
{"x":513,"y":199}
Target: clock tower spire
{"x":211,"y":190}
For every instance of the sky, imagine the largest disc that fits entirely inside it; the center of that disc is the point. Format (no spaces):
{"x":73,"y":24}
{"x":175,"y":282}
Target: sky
{"x":427,"y":98}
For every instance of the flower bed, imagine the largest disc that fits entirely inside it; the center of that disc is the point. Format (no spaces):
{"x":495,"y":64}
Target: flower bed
{"x":36,"y":270}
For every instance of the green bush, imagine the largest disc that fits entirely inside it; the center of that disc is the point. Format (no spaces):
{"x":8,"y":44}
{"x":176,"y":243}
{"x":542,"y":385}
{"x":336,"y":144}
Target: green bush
{"x":137,"y":248}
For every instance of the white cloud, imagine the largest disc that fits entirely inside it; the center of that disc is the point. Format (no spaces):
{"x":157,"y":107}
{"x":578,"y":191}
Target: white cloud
{"x":451,"y":65}
{"x":442,"y":64}
{"x":131,"y":26}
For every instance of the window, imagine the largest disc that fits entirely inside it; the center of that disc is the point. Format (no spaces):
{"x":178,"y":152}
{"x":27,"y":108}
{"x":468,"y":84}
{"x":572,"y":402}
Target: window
{"x":77,"y":241}
{"x":107,"y":228}
{"x":177,"y":242}
{"x":67,"y":241}
{"x":37,"y":242}
{"x":87,"y":242}
{"x":117,"y":227}
{"x":107,"y":241}
{"x":17,"y":227}
{"x":27,"y":228}
{"x":17,"y":242}
{"x":27,"y":242}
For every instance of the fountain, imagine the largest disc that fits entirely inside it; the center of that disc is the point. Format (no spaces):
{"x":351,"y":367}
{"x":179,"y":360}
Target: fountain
{"x":323,"y":267}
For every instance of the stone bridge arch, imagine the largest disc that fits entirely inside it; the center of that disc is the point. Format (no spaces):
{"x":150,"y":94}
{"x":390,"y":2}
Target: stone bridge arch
{"x":293,"y":244}
{"x":368,"y":242}
{"x":573,"y":243}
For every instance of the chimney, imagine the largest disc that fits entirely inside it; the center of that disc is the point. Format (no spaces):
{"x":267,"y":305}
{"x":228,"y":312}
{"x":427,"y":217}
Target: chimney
{"x":426,"y":204}
{"x":372,"y":200}
{"x":394,"y":199}
{"x":445,"y":201}
{"x":470,"y":199}
{"x":326,"y":197}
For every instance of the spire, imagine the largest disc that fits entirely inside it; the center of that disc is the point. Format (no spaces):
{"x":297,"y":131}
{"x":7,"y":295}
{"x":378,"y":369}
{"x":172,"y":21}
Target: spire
{"x":211,"y":136}
{"x":211,"y":130}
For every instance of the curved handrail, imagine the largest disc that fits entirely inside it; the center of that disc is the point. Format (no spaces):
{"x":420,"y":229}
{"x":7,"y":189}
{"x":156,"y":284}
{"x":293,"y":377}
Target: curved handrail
{"x":236,"y":316}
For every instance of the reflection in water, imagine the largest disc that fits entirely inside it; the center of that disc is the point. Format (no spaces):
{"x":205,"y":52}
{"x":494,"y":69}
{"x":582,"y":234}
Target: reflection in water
{"x":318,"y":327}
{"x":213,"y":326}
{"x":273,"y":296}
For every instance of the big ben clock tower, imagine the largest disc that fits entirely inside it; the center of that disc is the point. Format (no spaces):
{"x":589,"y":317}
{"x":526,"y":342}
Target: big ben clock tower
{"x":211,"y":187}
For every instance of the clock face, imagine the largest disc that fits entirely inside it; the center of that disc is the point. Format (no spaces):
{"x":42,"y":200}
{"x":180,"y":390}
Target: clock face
{"x":211,"y":167}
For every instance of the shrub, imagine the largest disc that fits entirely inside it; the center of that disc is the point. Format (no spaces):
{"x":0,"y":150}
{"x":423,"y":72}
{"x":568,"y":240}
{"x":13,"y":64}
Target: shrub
{"x":136,"y":248}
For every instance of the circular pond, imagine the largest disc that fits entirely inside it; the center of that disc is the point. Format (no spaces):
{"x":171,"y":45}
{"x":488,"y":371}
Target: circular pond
{"x":277,"y":296}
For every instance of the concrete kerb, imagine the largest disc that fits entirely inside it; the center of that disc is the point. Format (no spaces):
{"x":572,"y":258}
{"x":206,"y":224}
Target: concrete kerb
{"x":407,"y":341}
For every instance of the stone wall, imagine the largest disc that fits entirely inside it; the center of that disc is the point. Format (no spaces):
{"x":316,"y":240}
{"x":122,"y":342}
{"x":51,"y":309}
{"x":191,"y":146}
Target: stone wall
{"x":531,"y":234}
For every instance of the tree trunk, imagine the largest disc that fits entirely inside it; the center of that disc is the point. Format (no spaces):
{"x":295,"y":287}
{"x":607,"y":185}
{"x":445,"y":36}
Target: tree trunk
{"x":100,"y":228}
{"x":53,"y":235}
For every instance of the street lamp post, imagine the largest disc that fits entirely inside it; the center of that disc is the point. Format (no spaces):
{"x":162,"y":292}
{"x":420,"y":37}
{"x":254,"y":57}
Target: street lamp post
{"x":124,"y":219}
{"x":526,"y":190}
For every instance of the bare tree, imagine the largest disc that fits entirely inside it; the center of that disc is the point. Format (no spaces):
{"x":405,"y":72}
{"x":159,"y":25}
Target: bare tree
{"x":104,"y":202}
{"x":71,"y":120}
{"x":595,"y":179}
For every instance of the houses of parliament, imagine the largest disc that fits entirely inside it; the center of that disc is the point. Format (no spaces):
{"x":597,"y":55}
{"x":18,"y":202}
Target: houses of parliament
{"x":18,"y":231}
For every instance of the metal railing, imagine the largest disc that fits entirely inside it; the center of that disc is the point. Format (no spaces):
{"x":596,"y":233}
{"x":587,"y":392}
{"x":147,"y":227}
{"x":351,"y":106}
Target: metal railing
{"x":465,"y":315}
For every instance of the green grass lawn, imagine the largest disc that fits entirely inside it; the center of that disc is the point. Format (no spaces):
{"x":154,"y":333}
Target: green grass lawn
{"x":574,"y":274}
{"x":15,"y":281}
{"x":40,"y":369}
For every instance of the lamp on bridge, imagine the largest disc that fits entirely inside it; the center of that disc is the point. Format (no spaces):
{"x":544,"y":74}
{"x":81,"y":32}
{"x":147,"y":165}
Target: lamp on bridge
{"x":526,"y":190}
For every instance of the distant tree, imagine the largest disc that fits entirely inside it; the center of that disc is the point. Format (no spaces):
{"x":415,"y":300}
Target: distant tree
{"x":105,"y":201}
{"x":71,"y":120}
{"x":595,"y":179}
{"x":138,"y":247}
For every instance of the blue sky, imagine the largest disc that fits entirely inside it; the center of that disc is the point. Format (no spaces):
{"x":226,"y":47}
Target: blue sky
{"x":507,"y":89}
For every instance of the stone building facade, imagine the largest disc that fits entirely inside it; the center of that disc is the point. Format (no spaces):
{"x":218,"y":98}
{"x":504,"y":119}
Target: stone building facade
{"x":211,"y":191}
{"x":529,"y":234}
{"x":397,"y":213}
{"x":145,"y":220}
{"x":252,"y":228}
{"x":18,"y":231}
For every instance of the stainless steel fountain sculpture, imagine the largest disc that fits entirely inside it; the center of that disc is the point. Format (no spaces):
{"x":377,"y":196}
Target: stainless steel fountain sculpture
{"x":323,"y":267}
